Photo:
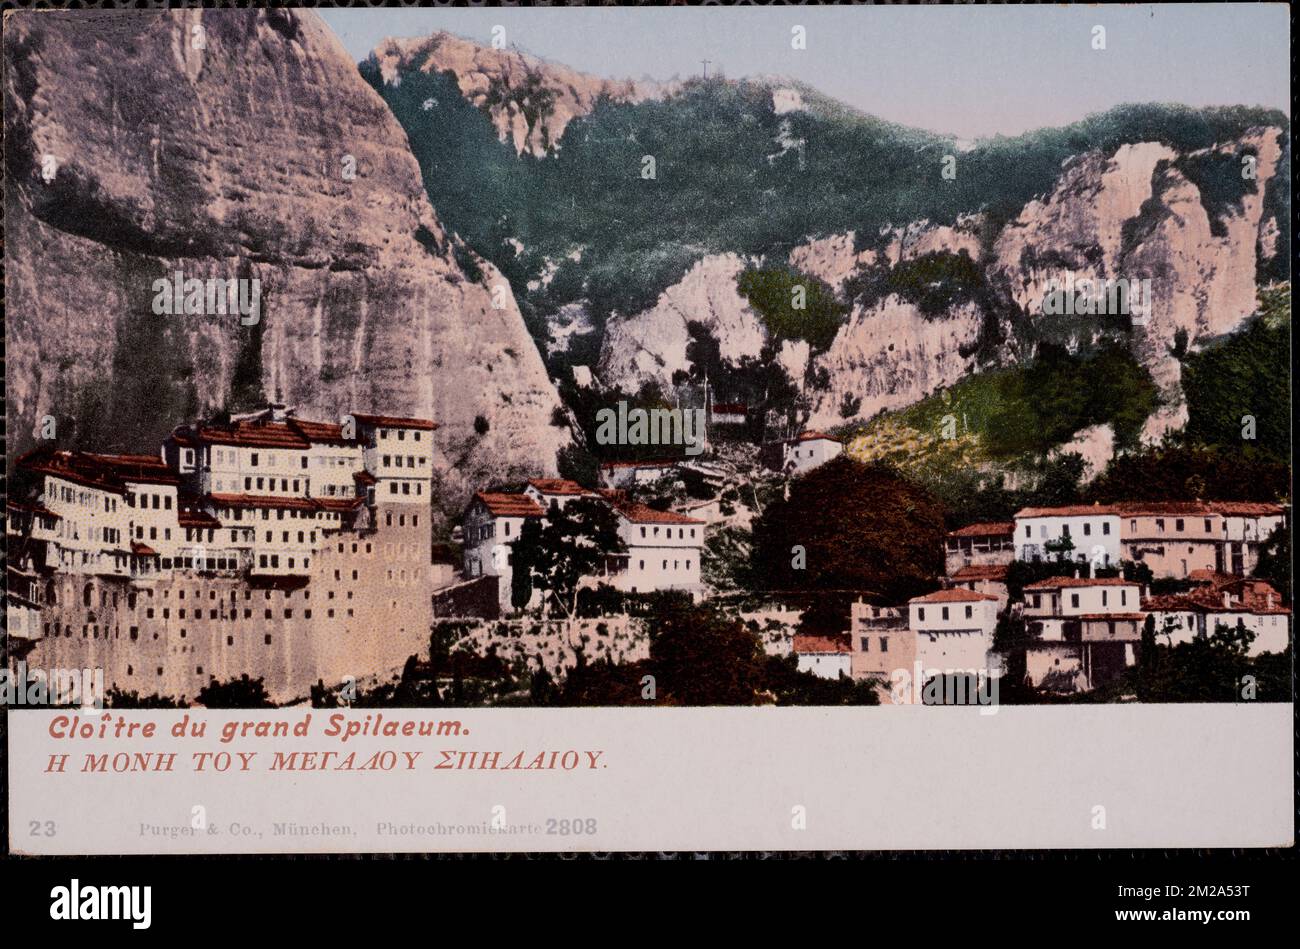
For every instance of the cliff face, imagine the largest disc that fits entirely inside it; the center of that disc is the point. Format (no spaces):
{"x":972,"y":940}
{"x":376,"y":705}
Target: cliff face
{"x":241,"y":144}
{"x":530,"y":101}
{"x":1134,"y":214}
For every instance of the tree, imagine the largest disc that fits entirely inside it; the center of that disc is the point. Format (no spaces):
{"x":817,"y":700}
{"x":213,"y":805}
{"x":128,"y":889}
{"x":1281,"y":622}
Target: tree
{"x":237,"y":693}
{"x":524,"y":550}
{"x":575,"y":541}
{"x":1274,"y":564}
{"x":1148,"y":657}
{"x":700,"y":657}
{"x":861,"y":527}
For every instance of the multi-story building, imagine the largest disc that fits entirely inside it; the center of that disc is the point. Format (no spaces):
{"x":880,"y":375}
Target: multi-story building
{"x":801,"y":454}
{"x":663,"y":548}
{"x":945,"y":633}
{"x":1083,"y":533}
{"x":878,"y":640}
{"x":1223,"y":600}
{"x":1173,"y":538}
{"x":266,"y":544}
{"x":980,"y":545}
{"x":1084,"y":630}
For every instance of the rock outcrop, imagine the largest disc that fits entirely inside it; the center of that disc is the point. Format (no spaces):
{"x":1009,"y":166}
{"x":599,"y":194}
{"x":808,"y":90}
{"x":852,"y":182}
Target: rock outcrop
{"x":651,"y":345}
{"x":242,"y":144}
{"x":530,"y":101}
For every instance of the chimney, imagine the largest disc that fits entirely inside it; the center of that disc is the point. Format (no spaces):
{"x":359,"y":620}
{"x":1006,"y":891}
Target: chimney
{"x":1269,"y":599}
{"x":1227,"y":599}
{"x":1092,"y":569}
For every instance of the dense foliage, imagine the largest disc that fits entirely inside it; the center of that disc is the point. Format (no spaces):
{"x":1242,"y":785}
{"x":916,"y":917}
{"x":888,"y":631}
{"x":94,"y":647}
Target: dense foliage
{"x":861,"y":527}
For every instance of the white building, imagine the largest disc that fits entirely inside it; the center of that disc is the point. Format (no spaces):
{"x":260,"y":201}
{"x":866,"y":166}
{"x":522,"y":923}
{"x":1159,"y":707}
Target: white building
{"x":826,"y":656}
{"x":1092,"y":532}
{"x":801,"y":454}
{"x":493,"y":521}
{"x":663,"y":549}
{"x":954,"y":629}
{"x":1225,"y":601}
{"x":627,"y":474}
{"x":1085,"y":630}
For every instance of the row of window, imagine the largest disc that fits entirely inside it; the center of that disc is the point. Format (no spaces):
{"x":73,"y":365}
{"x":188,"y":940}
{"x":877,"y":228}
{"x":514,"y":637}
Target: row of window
{"x":970,"y":612}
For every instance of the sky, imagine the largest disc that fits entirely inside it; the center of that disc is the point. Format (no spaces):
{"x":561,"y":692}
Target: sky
{"x":971,"y":72}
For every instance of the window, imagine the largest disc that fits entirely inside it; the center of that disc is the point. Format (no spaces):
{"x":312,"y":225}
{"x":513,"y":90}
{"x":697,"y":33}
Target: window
{"x":884,"y":644}
{"x":920,"y":613}
{"x":970,"y":611}
{"x":945,"y":612}
{"x":253,"y":460}
{"x":1178,"y":524}
{"x":1029,"y":531}
{"x":1074,"y":600}
{"x":866,"y":643}
{"x":1105,"y":527}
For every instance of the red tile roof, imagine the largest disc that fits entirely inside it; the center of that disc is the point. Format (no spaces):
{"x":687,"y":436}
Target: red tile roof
{"x":263,"y":500}
{"x":644,"y":514}
{"x":338,"y":504}
{"x":1139,"y":617}
{"x":1070,"y":510}
{"x":104,"y":472}
{"x":32,"y":507}
{"x":807,"y":645}
{"x":510,"y":505}
{"x":559,"y":486}
{"x":1247,"y":508}
{"x":987,"y":529}
{"x":1252,"y":596}
{"x":1157,"y":508}
{"x":142,"y":550}
{"x":364,"y":477}
{"x":992,"y":571}
{"x":1063,"y":583}
{"x":188,"y":517}
{"x":814,"y":436}
{"x":953,"y":596}
{"x":396,"y":421}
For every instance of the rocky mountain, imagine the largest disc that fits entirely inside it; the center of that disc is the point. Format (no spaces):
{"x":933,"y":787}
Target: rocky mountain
{"x":530,"y":101}
{"x":939,"y":275}
{"x":241,"y":144}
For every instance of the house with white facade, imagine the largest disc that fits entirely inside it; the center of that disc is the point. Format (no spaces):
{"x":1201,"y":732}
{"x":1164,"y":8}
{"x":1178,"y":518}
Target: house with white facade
{"x":1085,"y":630}
{"x":826,"y":656}
{"x":1223,"y":600}
{"x":1082,"y":533}
{"x":492,"y":523}
{"x":663,"y":549}
{"x":1174,"y":539}
{"x":801,"y":454}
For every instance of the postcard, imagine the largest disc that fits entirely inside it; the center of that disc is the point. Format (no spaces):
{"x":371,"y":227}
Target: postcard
{"x":647,"y":429}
